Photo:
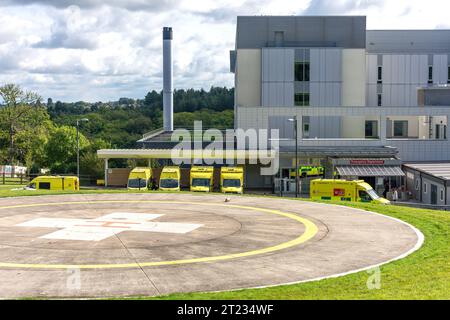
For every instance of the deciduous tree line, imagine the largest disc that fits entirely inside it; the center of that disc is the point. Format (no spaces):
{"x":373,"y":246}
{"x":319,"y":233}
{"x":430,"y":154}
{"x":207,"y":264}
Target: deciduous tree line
{"x":43,"y":135}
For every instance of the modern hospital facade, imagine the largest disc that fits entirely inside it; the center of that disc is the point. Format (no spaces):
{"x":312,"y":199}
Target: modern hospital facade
{"x":366,"y":101}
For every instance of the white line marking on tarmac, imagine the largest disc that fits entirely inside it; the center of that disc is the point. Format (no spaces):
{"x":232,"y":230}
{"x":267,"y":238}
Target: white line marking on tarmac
{"x":106,"y":226}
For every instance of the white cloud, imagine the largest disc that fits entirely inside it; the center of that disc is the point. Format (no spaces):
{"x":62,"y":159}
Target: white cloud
{"x":103,"y":50}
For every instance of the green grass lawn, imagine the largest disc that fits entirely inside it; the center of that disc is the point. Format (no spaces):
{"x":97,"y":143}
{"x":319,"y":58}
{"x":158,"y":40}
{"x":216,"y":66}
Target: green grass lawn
{"x":424,"y":274}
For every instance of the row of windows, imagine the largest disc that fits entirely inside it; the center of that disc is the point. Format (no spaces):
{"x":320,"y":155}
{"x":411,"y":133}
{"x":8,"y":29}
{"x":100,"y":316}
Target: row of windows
{"x":425,"y":189}
{"x":430,"y":75}
{"x":301,"y":99}
{"x":302,"y":71}
{"x":400,"y":129}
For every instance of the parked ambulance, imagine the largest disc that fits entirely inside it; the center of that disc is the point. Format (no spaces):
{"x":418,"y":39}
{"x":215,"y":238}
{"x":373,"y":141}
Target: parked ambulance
{"x":140,"y":179}
{"x":343,"y":190}
{"x":170,"y":179}
{"x":308,"y":171}
{"x":202,"y":179}
{"x":232,"y":180}
{"x":54,"y":183}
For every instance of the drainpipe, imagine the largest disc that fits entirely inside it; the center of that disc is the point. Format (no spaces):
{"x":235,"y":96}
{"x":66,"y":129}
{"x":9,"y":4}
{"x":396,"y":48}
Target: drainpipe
{"x":106,"y":173}
{"x":445,"y":185}
{"x":421,"y":187}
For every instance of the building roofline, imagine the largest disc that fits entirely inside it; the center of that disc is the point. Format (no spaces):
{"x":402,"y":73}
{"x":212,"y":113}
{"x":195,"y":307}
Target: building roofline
{"x":407,"y":30}
{"x":303,"y":16}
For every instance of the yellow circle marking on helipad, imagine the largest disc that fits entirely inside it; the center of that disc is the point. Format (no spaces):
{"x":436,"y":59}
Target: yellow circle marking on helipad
{"x":310,"y":231}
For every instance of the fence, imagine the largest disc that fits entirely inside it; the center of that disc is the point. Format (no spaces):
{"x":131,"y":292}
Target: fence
{"x":10,"y":178}
{"x":23,"y":179}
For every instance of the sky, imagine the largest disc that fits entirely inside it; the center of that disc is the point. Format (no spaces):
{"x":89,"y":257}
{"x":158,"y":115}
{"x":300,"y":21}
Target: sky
{"x":95,"y":50}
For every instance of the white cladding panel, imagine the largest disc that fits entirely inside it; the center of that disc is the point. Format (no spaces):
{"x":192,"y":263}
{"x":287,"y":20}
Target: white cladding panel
{"x":289,"y":62}
{"x":440,"y":69}
{"x":278,"y":77}
{"x":326,"y":77}
{"x":372,"y":95}
{"x":401,"y":76}
{"x":372,"y":69}
{"x":278,"y":94}
{"x":326,"y":65}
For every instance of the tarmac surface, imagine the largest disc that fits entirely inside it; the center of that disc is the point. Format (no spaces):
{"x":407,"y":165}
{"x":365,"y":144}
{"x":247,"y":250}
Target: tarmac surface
{"x":112,"y":245}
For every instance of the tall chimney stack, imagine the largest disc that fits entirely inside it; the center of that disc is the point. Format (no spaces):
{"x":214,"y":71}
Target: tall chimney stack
{"x":167,"y":79}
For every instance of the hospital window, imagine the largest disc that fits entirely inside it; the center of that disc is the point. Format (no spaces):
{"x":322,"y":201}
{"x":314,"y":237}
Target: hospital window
{"x":302,"y":71}
{"x":380,"y":75}
{"x":379,"y":99}
{"x":371,"y":129}
{"x":442,"y":195}
{"x":448,"y":75}
{"x":401,"y":129}
{"x":301,"y":99}
{"x":306,"y":130}
{"x":430,"y":74}
{"x":425,"y":188}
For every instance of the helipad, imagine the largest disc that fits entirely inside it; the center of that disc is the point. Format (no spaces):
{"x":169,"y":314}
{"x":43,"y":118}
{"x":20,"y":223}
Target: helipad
{"x":152,"y":244}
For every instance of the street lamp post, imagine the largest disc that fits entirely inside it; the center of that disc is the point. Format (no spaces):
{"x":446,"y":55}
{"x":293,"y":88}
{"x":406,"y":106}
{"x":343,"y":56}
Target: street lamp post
{"x":294,"y":120}
{"x":78,"y":145}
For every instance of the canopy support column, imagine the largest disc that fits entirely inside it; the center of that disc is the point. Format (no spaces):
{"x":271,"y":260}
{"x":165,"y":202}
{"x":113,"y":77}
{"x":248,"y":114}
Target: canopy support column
{"x":106,"y":173}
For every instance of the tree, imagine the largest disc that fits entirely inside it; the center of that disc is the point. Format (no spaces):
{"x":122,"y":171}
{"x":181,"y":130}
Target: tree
{"x":61,"y":149}
{"x":16,"y":109}
{"x":31,"y":140}
{"x":90,"y":164}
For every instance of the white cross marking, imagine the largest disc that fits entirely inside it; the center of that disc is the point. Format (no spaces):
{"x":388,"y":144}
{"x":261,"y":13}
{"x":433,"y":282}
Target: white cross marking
{"x":107,"y":226}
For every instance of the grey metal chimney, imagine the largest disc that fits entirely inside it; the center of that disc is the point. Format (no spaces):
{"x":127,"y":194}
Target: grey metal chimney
{"x":167,"y":79}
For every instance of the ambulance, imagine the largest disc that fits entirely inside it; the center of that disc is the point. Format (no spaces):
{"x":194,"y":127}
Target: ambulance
{"x":232,"y":180}
{"x":54,"y":183}
{"x":201,"y":179}
{"x":170,"y":179}
{"x":139,"y":179}
{"x":343,"y":190}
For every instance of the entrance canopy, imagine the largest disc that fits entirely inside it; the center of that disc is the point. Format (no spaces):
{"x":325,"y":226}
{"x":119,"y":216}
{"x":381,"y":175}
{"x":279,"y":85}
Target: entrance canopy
{"x":370,"y":171}
{"x":194,"y":154}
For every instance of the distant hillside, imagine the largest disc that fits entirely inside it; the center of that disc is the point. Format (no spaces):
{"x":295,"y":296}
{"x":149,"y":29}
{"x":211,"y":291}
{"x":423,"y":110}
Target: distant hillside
{"x":123,"y":122}
{"x":217,"y":99}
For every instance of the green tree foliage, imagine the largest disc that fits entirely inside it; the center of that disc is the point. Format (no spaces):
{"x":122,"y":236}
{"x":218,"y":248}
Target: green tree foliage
{"x":124,"y":122}
{"x":210,"y":119}
{"x":89,"y":162}
{"x":17,"y":110}
{"x":61,"y":149}
{"x":44,"y":136}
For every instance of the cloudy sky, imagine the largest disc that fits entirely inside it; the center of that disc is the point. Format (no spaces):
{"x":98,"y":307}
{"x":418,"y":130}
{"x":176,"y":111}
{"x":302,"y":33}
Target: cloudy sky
{"x":96,"y":50}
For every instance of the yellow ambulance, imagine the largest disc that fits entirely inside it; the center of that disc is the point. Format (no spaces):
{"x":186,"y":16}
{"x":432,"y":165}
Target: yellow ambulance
{"x":343,"y":190}
{"x":232,"y":180}
{"x":54,"y":183}
{"x":170,"y":179}
{"x":140,"y":179}
{"x":201,"y":179}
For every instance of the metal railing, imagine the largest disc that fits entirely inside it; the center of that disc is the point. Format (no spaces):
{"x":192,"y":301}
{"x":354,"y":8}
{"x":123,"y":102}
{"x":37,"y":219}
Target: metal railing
{"x":23,"y":179}
{"x":19,"y":179}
